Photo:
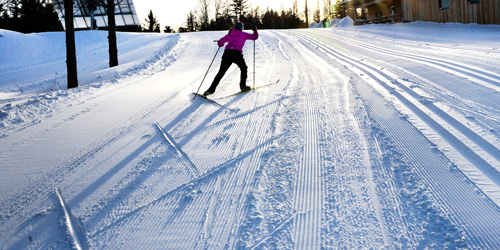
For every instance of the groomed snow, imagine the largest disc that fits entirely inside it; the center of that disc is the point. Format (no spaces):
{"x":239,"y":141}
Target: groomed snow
{"x":375,"y":136}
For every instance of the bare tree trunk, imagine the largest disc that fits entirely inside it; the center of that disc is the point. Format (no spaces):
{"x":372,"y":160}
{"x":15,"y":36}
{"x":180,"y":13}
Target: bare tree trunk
{"x":306,"y":12}
{"x":113,"y":50}
{"x":70,"y":45}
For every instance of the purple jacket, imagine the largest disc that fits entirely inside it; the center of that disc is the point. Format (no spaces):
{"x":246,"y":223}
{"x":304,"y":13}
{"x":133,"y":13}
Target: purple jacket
{"x":236,"y":39}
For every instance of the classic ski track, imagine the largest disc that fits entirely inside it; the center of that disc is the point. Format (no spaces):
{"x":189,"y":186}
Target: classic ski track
{"x":456,"y":125}
{"x":309,"y":191}
{"x":307,"y":188}
{"x":487,"y":114}
{"x":394,"y":53}
{"x":404,"y":57}
{"x":472,"y":146}
{"x":221,"y":228}
{"x":483,"y":77}
{"x":417,"y":110}
{"x":426,"y":45}
{"x":466,"y":131}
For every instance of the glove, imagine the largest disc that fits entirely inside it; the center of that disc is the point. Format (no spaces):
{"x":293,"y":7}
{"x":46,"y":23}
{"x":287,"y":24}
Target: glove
{"x":254,"y":27}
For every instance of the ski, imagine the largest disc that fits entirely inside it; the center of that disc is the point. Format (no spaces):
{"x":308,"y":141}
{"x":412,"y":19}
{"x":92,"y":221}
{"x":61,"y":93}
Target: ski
{"x":243,"y":91}
{"x":212,"y":101}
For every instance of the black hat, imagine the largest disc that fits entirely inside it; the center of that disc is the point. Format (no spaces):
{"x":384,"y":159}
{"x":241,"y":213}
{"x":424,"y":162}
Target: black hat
{"x":238,"y":25}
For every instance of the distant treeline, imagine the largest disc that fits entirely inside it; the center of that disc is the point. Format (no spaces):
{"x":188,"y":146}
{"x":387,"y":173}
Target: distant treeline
{"x":269,"y":20}
{"x":29,"y":16}
{"x":226,"y":12}
{"x":221,"y":14}
{"x":40,"y":16}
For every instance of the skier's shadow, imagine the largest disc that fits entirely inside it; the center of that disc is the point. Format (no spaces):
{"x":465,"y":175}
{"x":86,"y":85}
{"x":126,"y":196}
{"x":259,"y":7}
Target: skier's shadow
{"x":114,"y":201}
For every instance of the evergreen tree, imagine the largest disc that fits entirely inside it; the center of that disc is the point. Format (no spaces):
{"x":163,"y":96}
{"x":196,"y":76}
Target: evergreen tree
{"x":29,"y":16}
{"x":191,"y":22}
{"x":152,"y":24}
{"x":239,"y":8}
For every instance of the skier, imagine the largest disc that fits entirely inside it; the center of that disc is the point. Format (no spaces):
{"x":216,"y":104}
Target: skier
{"x":233,"y":53}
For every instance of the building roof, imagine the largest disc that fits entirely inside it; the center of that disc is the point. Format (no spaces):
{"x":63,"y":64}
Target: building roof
{"x":125,"y":14}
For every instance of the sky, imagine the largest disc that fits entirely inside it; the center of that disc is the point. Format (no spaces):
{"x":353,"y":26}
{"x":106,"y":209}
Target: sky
{"x":170,"y":12}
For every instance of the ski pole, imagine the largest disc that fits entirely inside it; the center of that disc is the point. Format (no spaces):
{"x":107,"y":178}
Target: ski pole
{"x":206,"y":73}
{"x":253,"y":64}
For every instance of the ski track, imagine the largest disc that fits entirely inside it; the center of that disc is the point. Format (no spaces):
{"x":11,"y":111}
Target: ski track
{"x":219,"y":230}
{"x":356,"y":163}
{"x":413,"y":101}
{"x":383,"y":79}
{"x":360,"y":158}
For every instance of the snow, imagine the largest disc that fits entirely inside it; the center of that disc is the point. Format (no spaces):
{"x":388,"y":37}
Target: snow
{"x":335,"y":23}
{"x":375,"y":136}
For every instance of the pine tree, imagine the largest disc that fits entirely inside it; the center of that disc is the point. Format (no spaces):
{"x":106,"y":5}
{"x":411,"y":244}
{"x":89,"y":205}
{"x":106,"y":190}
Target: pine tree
{"x":239,"y":8}
{"x":152,"y":24}
{"x":191,"y":22}
{"x":29,"y":16}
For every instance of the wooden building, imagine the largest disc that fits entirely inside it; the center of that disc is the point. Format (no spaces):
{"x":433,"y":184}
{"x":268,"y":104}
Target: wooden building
{"x":454,"y":11}
{"x":443,"y":11}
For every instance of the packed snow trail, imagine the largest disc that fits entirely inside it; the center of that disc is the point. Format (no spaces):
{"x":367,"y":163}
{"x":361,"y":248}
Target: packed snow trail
{"x":359,"y":145}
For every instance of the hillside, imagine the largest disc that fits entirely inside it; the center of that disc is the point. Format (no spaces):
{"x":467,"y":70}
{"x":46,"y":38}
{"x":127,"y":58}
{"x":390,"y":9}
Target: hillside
{"x":377,"y":136}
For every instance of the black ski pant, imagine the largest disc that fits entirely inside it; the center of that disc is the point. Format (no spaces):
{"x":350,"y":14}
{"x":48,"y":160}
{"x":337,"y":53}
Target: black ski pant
{"x":229,"y":57}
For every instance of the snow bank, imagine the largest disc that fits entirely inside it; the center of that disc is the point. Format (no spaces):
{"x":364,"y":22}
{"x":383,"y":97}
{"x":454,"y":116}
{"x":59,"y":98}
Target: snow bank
{"x":46,"y":67}
{"x":335,"y":23}
{"x":430,"y":32}
{"x":33,"y":68}
{"x":345,"y":22}
{"x":316,"y":25}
